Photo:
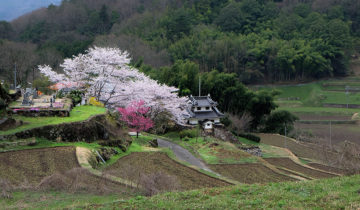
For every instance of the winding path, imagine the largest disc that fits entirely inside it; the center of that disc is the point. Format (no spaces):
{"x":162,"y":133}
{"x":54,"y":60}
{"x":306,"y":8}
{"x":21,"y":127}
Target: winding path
{"x":183,"y":154}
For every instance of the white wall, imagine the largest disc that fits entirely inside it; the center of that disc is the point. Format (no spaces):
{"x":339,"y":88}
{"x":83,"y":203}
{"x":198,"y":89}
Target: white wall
{"x":208,"y":125}
{"x":203,"y":109}
{"x":193,"y":121}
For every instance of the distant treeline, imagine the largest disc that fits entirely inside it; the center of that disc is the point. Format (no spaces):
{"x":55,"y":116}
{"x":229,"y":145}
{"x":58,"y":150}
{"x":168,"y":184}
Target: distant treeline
{"x":257,"y":40}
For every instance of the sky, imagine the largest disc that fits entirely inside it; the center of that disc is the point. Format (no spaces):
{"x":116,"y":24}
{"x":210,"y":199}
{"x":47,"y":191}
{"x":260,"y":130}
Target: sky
{"x":11,"y":9}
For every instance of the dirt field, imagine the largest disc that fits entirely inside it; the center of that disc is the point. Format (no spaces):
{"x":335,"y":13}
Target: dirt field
{"x":289,"y":164}
{"x":328,"y":168}
{"x":249,"y":173}
{"x":322,"y":117}
{"x":34,"y":165}
{"x":139,"y":164}
{"x":339,"y":132}
{"x":299,"y":149}
{"x":52,"y":168}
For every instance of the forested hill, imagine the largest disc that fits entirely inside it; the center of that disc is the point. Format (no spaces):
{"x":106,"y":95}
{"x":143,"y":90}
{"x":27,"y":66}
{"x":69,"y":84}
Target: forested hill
{"x":258,"y":40}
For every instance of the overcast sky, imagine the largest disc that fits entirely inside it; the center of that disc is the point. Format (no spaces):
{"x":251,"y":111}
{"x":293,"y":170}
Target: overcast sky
{"x":11,"y":9}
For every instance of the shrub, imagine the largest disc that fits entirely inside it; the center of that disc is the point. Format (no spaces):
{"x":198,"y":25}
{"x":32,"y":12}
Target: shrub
{"x":94,"y":102}
{"x":2,"y":103}
{"x":158,"y":182}
{"x":188,"y":133}
{"x":249,"y":136}
{"x":75,"y":96}
{"x":278,"y":120}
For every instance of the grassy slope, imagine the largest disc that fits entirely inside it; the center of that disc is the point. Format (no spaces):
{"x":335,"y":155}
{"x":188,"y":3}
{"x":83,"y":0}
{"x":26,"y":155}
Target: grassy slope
{"x":330,"y":193}
{"x":335,"y":193}
{"x":308,"y":98}
{"x":77,"y":114}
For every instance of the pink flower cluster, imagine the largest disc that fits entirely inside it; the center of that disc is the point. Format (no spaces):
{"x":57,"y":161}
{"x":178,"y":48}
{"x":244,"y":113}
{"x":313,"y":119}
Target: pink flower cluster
{"x":134,"y":116}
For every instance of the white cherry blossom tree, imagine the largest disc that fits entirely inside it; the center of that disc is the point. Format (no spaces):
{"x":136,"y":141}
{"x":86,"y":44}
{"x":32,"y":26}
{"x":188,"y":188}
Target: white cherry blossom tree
{"x":105,"y":73}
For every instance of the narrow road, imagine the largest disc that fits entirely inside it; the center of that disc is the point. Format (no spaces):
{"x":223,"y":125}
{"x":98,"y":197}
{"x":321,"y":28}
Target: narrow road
{"x":183,"y":154}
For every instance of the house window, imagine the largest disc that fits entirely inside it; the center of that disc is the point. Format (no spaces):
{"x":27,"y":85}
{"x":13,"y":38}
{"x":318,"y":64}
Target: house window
{"x":209,"y":125}
{"x":207,"y":108}
{"x":198,"y":108}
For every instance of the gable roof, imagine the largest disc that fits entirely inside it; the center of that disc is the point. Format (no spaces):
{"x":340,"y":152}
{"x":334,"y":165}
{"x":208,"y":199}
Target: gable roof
{"x":202,"y":101}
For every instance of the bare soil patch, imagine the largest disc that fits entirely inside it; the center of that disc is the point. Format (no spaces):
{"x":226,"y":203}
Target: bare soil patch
{"x":300,"y":149}
{"x":289,"y":164}
{"x":328,"y":168}
{"x":323,"y":117}
{"x":34,"y":165}
{"x":53,"y":169}
{"x":249,"y":173}
{"x":138,"y":164}
{"x":339,"y":132}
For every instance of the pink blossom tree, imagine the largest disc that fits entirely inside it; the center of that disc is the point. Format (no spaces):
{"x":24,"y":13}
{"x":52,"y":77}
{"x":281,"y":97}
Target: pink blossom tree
{"x":134,"y":115}
{"x":105,"y":73}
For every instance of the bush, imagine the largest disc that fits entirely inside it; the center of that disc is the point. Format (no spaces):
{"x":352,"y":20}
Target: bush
{"x":2,"y":103}
{"x":249,"y":136}
{"x":75,"y":96}
{"x":94,"y":102}
{"x":188,"y":133}
{"x":278,"y":120}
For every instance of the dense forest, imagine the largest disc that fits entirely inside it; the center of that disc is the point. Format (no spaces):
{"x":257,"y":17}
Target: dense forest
{"x":225,"y":42}
{"x":259,"y":41}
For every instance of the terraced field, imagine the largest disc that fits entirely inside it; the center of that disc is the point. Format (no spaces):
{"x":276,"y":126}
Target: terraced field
{"x":148,"y":163}
{"x":328,"y":168}
{"x":300,"y":149}
{"x":53,"y":168}
{"x":34,"y":165}
{"x":249,"y":173}
{"x":289,"y":164}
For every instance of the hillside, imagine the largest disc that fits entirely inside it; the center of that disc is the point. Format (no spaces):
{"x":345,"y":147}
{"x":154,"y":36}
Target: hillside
{"x":259,"y":41}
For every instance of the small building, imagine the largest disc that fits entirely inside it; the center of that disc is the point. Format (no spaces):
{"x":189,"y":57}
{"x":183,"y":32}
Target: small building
{"x":203,"y":110}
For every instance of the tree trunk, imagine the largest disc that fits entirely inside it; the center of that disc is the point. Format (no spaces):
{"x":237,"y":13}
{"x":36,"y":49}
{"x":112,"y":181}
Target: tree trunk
{"x":137,"y":134}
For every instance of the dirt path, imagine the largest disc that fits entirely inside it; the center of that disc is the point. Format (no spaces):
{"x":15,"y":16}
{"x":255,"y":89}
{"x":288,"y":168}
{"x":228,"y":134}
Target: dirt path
{"x":183,"y":155}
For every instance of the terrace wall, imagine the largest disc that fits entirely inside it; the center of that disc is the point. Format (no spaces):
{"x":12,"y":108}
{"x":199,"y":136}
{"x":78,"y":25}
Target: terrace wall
{"x":88,"y":131}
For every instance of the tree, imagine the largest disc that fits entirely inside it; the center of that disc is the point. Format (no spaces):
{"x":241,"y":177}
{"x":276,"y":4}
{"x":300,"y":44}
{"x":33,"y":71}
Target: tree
{"x":134,"y":115}
{"x":104,"y":73}
{"x":278,"y":120}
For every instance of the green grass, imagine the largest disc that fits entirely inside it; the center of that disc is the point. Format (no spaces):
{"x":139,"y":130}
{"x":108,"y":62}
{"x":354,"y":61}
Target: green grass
{"x":54,"y":200}
{"x":316,"y":94}
{"x":77,"y":114}
{"x":335,"y":193}
{"x":320,"y":110}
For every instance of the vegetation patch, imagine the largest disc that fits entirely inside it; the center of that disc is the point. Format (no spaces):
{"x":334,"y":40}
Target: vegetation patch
{"x":224,"y":152}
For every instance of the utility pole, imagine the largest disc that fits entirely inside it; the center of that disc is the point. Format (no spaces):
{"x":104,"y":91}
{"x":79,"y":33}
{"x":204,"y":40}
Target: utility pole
{"x":15,"y":77}
{"x":285,"y":136}
{"x":347,"y":96}
{"x":330,"y":135}
{"x":199,"y":85}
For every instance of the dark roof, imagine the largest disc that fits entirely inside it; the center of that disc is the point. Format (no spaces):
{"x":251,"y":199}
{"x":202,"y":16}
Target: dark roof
{"x":202,"y":101}
{"x":206,"y":115}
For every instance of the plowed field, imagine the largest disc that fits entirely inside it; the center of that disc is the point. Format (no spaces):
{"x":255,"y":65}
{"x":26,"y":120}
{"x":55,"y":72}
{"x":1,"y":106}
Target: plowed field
{"x":147,"y":163}
{"x":249,"y":173}
{"x":289,"y":164}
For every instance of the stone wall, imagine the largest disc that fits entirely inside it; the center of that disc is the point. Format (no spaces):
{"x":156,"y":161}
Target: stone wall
{"x":88,"y":131}
{"x":42,"y":113}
